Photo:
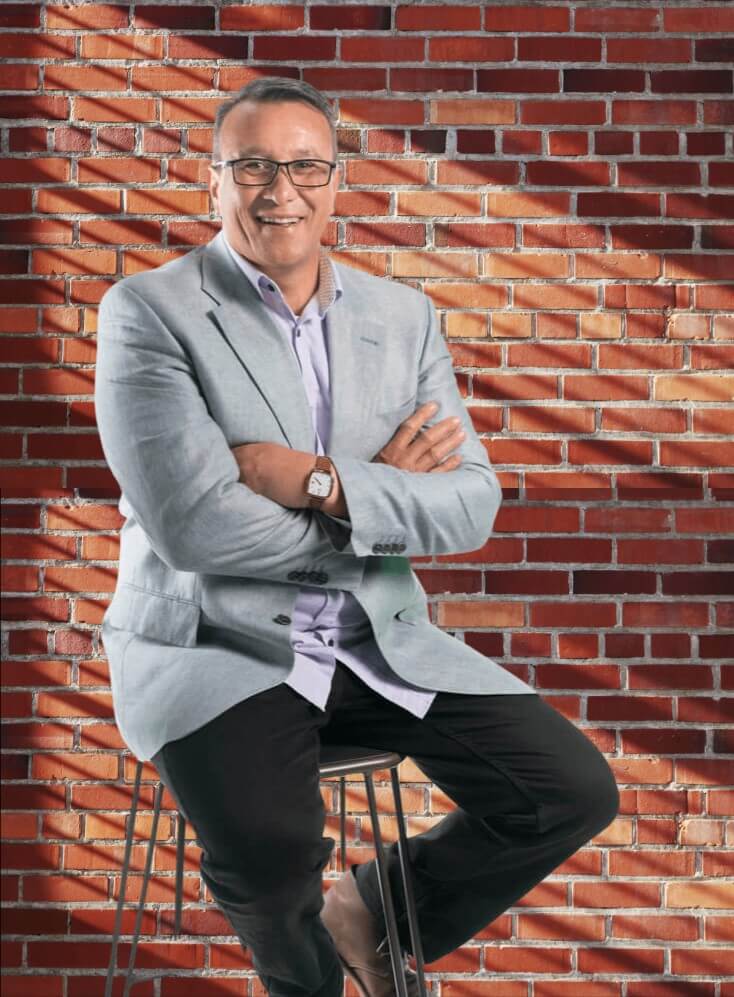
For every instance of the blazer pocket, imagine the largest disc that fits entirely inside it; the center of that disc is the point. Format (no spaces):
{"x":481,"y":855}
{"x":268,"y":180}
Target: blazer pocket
{"x":154,"y":615}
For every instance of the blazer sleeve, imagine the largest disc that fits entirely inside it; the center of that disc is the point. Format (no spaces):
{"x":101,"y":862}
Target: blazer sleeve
{"x":176,"y":469}
{"x":418,"y":513}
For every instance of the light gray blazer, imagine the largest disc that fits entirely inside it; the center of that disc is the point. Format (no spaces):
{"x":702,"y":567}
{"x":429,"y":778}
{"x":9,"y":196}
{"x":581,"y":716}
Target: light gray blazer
{"x":189,"y":365}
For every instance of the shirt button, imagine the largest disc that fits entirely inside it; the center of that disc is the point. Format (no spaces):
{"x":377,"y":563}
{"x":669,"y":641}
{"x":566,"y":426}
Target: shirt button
{"x":282,"y":619}
{"x":330,"y":643}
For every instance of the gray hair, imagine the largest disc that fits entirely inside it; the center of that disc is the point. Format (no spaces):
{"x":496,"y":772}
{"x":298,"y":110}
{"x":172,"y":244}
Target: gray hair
{"x":271,"y":90}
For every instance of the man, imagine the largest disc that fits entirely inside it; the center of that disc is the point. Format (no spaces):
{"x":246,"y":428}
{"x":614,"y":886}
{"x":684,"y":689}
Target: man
{"x":265,"y":602}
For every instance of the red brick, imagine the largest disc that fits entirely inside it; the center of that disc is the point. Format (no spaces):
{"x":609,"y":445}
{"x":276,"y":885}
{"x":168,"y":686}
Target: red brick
{"x":714,"y":49}
{"x":679,"y":81}
{"x":559,"y":48}
{"x":670,"y":677}
{"x":477,"y":235}
{"x":519,"y":18}
{"x":192,"y":17}
{"x":115,"y":109}
{"x":18,"y":76}
{"x":511,"y":205}
{"x":96,"y":202}
{"x":35,"y":106}
{"x":676,"y":614}
{"x":470,"y":49}
{"x":350,"y":17}
{"x":380,"y":112}
{"x":427,"y":80}
{"x":386,"y":171}
{"x":651,"y":236}
{"x":559,"y":174}
{"x":648,"y":50}
{"x":440,"y":18}
{"x":653,"y":112}
{"x":473,"y":141}
{"x":385,"y":234}
{"x":120,"y":46}
{"x":513,"y":386}
{"x":381,"y":49}
{"x":721,"y":174}
{"x":618,"y":205}
{"x":562,"y":112}
{"x":603,"y":80}
{"x":613,"y":143}
{"x":718,"y":112}
{"x":588,"y":387}
{"x":621,"y":960}
{"x":517,"y":81}
{"x":263,"y":17}
{"x":88,"y":16}
{"x":568,"y":143}
{"x":304,"y":48}
{"x":19,"y":15}
{"x":350,"y":78}
{"x":624,"y":19}
{"x":172,"y":78}
{"x":711,"y":19}
{"x":468,"y":111}
{"x":208,"y":46}
{"x":477,"y":171}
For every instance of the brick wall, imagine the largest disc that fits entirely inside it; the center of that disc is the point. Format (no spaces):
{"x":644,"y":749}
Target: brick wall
{"x":558,"y":177}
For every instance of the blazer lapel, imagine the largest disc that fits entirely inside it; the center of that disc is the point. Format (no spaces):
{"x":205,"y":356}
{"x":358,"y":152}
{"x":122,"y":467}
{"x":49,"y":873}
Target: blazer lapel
{"x":243,"y":320}
{"x":355,"y":342}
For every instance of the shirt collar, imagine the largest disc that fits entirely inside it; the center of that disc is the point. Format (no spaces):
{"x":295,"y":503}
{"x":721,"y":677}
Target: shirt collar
{"x":328,"y":291}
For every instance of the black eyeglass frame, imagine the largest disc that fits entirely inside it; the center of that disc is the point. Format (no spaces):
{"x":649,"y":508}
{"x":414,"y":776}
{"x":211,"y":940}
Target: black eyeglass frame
{"x":277,"y":164}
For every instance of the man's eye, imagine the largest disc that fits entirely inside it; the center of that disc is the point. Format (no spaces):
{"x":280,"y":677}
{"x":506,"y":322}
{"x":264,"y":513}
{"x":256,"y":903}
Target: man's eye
{"x":252,"y":165}
{"x":305,"y":165}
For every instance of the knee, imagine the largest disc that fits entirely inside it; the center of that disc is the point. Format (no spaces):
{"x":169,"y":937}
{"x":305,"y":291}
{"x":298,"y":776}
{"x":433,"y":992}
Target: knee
{"x":267,"y":866}
{"x":596,"y":792}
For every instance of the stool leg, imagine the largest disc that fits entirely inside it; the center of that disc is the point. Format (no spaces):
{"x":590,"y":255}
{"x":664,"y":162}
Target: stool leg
{"x":343,"y":820}
{"x":415,"y":939}
{"x":385,"y":894}
{"x":123,"y":880}
{"x":180,"y":842}
{"x":144,"y":889}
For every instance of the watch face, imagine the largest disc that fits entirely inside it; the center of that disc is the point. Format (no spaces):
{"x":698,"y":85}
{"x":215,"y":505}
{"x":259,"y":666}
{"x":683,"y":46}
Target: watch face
{"x":319,"y":484}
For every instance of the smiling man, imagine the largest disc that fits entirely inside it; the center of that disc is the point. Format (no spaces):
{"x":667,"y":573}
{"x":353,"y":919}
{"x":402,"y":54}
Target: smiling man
{"x":287,"y":432}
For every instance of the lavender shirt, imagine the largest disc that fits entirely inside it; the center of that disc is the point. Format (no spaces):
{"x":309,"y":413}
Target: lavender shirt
{"x":327,"y":623}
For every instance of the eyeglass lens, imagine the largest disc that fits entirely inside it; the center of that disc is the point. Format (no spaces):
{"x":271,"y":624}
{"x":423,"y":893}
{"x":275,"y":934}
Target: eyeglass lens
{"x":302,"y":172}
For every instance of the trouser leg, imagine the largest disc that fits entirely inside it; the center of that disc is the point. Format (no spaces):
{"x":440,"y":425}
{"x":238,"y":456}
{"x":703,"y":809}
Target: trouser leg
{"x":248,"y":782}
{"x":530,"y":790}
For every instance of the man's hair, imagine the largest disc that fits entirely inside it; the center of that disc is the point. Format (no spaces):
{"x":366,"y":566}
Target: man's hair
{"x":271,"y":90}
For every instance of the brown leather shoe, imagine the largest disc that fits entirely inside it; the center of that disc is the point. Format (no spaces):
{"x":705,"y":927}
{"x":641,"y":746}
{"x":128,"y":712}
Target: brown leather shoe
{"x":359,"y":939}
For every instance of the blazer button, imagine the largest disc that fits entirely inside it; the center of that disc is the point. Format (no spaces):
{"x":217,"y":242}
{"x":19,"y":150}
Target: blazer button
{"x":282,"y":619}
{"x":400,"y":548}
{"x":292,"y":576}
{"x":320,"y":577}
{"x":377,"y":548}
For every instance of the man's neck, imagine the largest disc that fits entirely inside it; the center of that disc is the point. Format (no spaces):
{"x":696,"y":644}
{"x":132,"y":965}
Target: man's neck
{"x":297,"y":287}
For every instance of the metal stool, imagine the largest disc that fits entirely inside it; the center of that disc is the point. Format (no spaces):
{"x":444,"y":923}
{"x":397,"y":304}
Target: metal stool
{"x":335,"y":761}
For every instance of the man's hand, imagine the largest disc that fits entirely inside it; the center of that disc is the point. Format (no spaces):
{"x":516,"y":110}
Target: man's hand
{"x":414,"y":449}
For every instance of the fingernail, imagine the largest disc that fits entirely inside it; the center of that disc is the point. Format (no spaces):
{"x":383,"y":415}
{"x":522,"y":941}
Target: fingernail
{"x":433,"y":406}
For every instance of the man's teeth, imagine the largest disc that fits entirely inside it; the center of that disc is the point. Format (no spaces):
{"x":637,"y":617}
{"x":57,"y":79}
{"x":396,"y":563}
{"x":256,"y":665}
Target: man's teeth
{"x":279,"y":221}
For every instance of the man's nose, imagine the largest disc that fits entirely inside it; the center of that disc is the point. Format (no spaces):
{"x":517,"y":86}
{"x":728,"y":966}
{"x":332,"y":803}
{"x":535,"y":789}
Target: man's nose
{"x":281,"y":185}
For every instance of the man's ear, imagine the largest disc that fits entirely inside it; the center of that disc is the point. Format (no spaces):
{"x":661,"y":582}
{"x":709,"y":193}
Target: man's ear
{"x":215,"y":179}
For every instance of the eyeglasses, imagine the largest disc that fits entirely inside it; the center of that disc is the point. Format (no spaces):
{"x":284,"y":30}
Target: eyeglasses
{"x":262,"y":172}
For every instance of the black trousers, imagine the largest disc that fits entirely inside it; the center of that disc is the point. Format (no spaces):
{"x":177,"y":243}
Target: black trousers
{"x":530,"y":789}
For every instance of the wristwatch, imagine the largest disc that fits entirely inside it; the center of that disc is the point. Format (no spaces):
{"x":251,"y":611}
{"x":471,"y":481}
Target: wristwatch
{"x":320,"y":482}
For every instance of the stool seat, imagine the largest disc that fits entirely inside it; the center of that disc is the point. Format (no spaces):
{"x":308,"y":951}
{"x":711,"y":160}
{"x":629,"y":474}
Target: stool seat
{"x":349,"y":759}
{"x":335,"y":761}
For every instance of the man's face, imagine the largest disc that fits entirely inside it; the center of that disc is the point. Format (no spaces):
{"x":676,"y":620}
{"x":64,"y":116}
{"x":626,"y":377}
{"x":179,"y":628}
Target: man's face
{"x":281,"y":131}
